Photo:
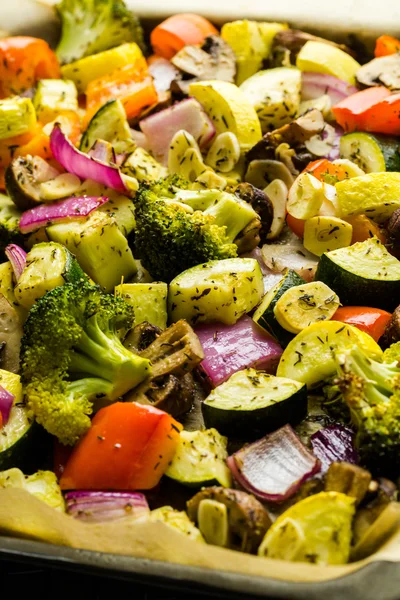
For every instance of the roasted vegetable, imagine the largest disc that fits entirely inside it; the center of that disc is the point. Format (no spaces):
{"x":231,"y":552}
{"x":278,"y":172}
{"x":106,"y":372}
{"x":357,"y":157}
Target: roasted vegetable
{"x":348,"y":479}
{"x":42,"y":484}
{"x":76,"y":330}
{"x":261,"y":203}
{"x":315,"y":530}
{"x":10,"y":335}
{"x":247,"y":518}
{"x":392,"y":331}
{"x":177,"y":520}
{"x":371,"y":391}
{"x":93,"y":26}
{"x":214,"y":59}
{"x":9,"y":225}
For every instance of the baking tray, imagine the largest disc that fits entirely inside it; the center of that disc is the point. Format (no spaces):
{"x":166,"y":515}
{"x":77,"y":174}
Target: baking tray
{"x":377,"y":579}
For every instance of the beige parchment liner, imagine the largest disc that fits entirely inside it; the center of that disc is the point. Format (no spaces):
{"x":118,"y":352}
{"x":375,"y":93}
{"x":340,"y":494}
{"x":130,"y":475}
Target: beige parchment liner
{"x":24,"y":516}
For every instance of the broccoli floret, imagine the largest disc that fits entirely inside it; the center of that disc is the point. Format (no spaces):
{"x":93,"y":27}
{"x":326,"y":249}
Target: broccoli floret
{"x":371,"y":390}
{"x":72,"y":357}
{"x":178,"y":228}
{"x":9,"y":225}
{"x":91,"y":26}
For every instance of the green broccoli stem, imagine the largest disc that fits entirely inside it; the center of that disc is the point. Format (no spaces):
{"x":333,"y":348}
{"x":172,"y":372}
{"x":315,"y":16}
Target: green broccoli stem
{"x":100,"y":355}
{"x":89,"y":387}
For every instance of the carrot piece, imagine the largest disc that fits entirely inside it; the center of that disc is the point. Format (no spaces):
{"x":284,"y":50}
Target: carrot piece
{"x":23,"y":61}
{"x":131,"y":84}
{"x":385,"y":45}
{"x":9,"y":146}
{"x":350,"y":112}
{"x":128,"y":447}
{"x":178,"y":31}
{"x":371,"y":320}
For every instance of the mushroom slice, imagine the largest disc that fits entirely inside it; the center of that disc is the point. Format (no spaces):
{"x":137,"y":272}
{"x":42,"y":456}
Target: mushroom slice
{"x":262,"y":204}
{"x":176,"y":351}
{"x":261,"y":172}
{"x":10,"y":335}
{"x":278,"y":257}
{"x":277,"y":193}
{"x":215,"y":59}
{"x":322,"y":143}
{"x":392,"y":330}
{"x":384,"y":70}
{"x":291,"y":41}
{"x":169,"y":393}
{"x":248,"y":520}
{"x":141,"y":336}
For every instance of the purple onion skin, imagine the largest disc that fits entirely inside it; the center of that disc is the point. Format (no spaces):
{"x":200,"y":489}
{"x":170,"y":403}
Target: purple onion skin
{"x":6,"y":403}
{"x":64,"y":210}
{"x":230,"y":348}
{"x":275,"y":467}
{"x":17,"y":257}
{"x":334,"y":443}
{"x":82,"y":165}
{"x":98,"y":506}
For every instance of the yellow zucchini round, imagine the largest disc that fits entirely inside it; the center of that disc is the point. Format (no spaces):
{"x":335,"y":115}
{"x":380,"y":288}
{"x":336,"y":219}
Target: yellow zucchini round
{"x":302,"y":305}
{"x":322,"y":234}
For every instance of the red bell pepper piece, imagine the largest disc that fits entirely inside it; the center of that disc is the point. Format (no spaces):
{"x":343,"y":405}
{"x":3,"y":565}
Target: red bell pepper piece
{"x":371,"y":320}
{"x":180,"y":30}
{"x":128,"y":447}
{"x":351,"y":112}
{"x":23,"y":61}
{"x":385,"y":45}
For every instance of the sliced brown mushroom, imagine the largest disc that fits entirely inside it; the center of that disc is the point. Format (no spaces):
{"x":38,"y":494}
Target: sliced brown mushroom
{"x":294,"y":134}
{"x":287,"y":44}
{"x":23,"y":179}
{"x":248,"y":520}
{"x":169,"y":393}
{"x":393,"y":231}
{"x":215,"y":59}
{"x":141,"y":336}
{"x":392,"y":330}
{"x":321,"y":144}
{"x":348,"y":479}
{"x":384,"y":70}
{"x":261,"y":172}
{"x":10,"y":335}
{"x":249,"y":237}
{"x":263,"y":207}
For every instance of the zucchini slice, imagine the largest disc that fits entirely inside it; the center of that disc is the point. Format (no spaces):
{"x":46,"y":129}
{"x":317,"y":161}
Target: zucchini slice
{"x":200,"y":459}
{"x":322,"y":234}
{"x":371,"y":152}
{"x":108,"y":124}
{"x":99,"y":246}
{"x":363,"y":274}
{"x":48,"y":265}
{"x":302,"y":305}
{"x":264,"y":315}
{"x":17,"y":116}
{"x":252,"y":403}
{"x":53,"y":96}
{"x":143,"y":166}
{"x":219,"y":290}
{"x":149,"y":301}
{"x":20,"y":434}
{"x":309,"y":358}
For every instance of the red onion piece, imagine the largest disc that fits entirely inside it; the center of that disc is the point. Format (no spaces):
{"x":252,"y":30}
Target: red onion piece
{"x":275,"y":467}
{"x":161,"y":127}
{"x":17,"y":257}
{"x":95,"y":507}
{"x":334,"y":443}
{"x":82,"y":165}
{"x":334,"y":153}
{"x":230,"y":348}
{"x":70,"y":208}
{"x":163,"y":73}
{"x":315,"y":85}
{"x":6,"y":402}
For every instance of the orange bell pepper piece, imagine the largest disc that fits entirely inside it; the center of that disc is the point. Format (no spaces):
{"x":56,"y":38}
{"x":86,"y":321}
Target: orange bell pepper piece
{"x":385,"y":45}
{"x":296,"y":225}
{"x":178,"y":31}
{"x":371,"y":320}
{"x":128,"y":447}
{"x":131,"y":84}
{"x":374,"y":109}
{"x":364,"y":228}
{"x":23,"y":61}
{"x":326,"y":171}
